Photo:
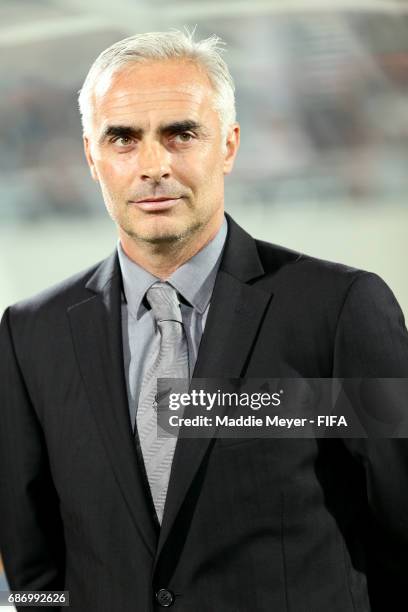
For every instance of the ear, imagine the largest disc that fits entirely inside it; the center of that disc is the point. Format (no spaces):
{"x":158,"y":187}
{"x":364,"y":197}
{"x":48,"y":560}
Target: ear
{"x":89,"y":158}
{"x":231,"y":147}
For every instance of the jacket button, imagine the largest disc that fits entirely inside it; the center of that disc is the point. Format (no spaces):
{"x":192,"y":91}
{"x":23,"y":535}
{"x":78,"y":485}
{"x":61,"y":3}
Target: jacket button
{"x":164,"y":598}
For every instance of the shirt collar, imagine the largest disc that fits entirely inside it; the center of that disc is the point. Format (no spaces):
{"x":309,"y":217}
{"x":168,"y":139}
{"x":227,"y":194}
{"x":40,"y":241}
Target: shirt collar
{"x":194,"y":280}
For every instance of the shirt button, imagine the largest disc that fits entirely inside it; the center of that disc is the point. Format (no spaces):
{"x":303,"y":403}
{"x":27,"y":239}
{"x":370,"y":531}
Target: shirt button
{"x":165,"y":598}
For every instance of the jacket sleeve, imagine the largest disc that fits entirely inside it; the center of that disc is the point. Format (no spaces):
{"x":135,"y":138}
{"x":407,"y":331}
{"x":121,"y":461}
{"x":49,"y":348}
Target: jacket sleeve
{"x":31,"y":532}
{"x":372,"y":343}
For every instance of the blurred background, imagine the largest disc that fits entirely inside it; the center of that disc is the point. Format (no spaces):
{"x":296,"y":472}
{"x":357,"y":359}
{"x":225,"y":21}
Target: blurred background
{"x":322,"y":98}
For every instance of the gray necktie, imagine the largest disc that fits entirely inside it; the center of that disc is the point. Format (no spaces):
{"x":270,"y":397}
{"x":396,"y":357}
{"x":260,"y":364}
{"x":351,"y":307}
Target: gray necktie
{"x":170,"y":362}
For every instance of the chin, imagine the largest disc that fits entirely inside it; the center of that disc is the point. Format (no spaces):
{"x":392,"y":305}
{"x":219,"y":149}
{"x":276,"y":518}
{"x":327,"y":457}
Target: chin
{"x":161,"y":231}
{"x":161,"y":238}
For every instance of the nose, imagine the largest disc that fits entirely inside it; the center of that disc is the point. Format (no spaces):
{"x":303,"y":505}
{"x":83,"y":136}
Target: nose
{"x":154,"y":161}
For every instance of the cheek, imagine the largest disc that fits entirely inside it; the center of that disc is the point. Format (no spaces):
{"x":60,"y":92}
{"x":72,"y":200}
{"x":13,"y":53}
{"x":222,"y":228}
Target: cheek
{"x":190,"y":174}
{"x":201,"y":171}
{"x":116,"y":170}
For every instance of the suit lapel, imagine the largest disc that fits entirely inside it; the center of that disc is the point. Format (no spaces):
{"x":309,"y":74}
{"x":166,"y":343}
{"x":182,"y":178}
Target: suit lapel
{"x":234,"y":318}
{"x":97,"y":335}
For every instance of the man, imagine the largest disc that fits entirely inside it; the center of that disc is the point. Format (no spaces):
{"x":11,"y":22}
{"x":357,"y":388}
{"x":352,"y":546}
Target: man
{"x":91,"y":502}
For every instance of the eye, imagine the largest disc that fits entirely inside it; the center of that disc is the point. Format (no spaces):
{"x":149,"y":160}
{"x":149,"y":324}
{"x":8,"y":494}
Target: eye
{"x":184,"y":137}
{"x":122,"y":141}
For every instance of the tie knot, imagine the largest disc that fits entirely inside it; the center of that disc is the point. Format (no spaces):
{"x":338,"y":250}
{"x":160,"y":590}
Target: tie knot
{"x":162,"y":298}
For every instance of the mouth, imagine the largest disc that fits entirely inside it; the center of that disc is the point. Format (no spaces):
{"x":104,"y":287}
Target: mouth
{"x":156,"y":204}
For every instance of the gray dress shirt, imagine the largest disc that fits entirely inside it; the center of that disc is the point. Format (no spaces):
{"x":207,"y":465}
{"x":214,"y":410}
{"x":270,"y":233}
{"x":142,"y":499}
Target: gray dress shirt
{"x":194,"y":282}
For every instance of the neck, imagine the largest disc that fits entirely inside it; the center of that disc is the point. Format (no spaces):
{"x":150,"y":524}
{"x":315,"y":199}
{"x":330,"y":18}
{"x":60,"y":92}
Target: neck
{"x":163,"y":259}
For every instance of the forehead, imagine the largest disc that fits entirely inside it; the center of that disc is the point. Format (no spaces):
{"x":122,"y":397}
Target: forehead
{"x":142,"y":92}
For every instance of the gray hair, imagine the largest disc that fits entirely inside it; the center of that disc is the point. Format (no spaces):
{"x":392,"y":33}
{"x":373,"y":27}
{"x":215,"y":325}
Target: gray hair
{"x":162,"y":46}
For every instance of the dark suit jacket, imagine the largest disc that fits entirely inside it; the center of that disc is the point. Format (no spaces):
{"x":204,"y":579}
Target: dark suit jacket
{"x":311,"y":525}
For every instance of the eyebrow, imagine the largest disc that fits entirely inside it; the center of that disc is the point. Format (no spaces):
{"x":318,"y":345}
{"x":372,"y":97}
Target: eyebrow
{"x":128,"y":131}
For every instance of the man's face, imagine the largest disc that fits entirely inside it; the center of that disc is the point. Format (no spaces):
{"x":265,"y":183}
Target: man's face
{"x":155,"y":147}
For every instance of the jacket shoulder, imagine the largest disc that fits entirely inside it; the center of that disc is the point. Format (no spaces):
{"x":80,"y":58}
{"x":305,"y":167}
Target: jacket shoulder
{"x":286,"y":262}
{"x":59,"y":296}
